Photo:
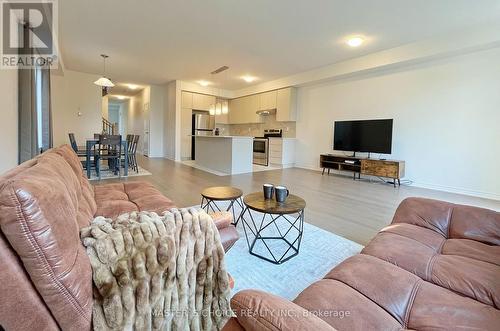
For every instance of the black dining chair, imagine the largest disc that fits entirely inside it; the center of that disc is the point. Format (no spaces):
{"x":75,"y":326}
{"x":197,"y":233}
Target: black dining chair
{"x":127,"y":153}
{"x":133,"y":157}
{"x":110,"y":149}
{"x":80,"y":151}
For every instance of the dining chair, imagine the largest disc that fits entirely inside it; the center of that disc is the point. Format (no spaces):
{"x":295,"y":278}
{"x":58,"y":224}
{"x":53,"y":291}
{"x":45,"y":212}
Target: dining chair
{"x":135,"y":142}
{"x":128,"y":153}
{"x":79,"y":151}
{"x":110,"y":149}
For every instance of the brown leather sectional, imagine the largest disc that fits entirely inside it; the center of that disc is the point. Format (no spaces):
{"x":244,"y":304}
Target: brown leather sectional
{"x":436,"y":267}
{"x":45,"y":280}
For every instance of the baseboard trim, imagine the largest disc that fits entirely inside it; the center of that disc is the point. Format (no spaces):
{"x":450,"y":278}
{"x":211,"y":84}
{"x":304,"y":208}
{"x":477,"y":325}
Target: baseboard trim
{"x":458,"y":190}
{"x":450,"y":189}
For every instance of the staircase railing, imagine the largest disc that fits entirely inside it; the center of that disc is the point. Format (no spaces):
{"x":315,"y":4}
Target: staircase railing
{"x":108,"y":127}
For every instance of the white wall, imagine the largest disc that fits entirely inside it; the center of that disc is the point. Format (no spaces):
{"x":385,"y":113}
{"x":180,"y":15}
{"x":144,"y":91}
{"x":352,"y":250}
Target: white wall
{"x":72,"y":93}
{"x":156,"y":110}
{"x":124,"y":114}
{"x":105,"y":107}
{"x":8,"y":119}
{"x":114,"y":114}
{"x":171,"y":124}
{"x":446,"y":120}
{"x":136,"y":118}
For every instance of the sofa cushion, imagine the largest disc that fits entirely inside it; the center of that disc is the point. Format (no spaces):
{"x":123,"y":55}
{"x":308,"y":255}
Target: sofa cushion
{"x":436,"y":308}
{"x":344,"y":308}
{"x":451,"y":220}
{"x":115,"y":199}
{"x":358,"y":273}
{"x":474,"y":223}
{"x":40,"y":208}
{"x":464,"y":266}
{"x":411,"y":301}
{"x":405,"y":251}
{"x":262,"y":311}
{"x":472,"y":249}
{"x":87,"y":206}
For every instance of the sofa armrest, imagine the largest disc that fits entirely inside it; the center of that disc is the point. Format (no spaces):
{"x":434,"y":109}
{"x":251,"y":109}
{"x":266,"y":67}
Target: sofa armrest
{"x":227,"y":231}
{"x":222,"y":219}
{"x":257,"y":310}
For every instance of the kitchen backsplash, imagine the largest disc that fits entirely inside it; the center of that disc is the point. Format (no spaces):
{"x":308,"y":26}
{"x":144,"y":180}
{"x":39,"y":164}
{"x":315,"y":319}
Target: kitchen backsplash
{"x":257,"y":130}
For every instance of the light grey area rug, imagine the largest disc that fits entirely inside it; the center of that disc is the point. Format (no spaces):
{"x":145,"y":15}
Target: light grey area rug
{"x":108,"y":174}
{"x":319,"y":252}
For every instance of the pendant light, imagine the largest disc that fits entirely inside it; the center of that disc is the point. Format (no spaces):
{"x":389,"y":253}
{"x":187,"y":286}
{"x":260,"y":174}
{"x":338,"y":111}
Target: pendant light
{"x":224,"y":102}
{"x":104,"y":81}
{"x":218,"y":107}
{"x":225,"y":107}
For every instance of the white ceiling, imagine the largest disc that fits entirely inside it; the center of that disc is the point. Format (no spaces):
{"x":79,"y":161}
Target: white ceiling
{"x":124,"y":90}
{"x":156,"y":41}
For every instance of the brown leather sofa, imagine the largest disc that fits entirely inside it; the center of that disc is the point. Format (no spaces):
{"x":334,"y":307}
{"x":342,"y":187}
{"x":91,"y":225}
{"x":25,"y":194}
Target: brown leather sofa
{"x":45,"y":278}
{"x":436,"y":267}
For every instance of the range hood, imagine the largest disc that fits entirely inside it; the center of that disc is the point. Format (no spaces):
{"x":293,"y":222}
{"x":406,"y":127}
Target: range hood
{"x":266,"y":112}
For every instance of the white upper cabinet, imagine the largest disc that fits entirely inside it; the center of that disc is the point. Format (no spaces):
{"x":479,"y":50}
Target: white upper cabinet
{"x":187,"y":100}
{"x":267,"y":100}
{"x":235,"y":111}
{"x":243,"y":110}
{"x":202,"y":101}
{"x":286,"y":105}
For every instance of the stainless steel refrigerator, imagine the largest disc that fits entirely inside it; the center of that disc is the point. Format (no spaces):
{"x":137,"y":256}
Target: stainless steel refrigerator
{"x":202,"y":125}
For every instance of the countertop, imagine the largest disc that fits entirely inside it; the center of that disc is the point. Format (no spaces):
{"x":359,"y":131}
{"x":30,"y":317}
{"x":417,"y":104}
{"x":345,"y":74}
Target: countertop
{"x":241,"y":137}
{"x":226,"y":137}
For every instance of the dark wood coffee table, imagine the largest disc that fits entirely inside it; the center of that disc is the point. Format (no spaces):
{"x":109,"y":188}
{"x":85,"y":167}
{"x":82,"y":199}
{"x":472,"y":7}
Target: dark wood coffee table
{"x":210,"y":196}
{"x":292,"y":211}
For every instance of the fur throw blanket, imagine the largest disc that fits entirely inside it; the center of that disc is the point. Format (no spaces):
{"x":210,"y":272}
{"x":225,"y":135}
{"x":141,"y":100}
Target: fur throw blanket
{"x":154,"y":272}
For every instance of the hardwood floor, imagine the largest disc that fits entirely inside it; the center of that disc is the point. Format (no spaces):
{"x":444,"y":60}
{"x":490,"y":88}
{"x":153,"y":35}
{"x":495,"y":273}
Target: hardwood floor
{"x":356,"y":210}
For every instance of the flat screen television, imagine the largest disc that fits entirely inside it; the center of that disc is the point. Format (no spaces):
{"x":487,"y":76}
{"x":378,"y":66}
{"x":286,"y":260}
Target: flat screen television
{"x":373,"y":136}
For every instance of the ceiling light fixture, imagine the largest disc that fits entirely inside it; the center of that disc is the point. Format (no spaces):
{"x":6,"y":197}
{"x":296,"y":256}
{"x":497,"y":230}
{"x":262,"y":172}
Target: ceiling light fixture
{"x":355,"y":41}
{"x":104,"y":81}
{"x":248,"y":78}
{"x":204,"y":82}
{"x":132,"y":86}
{"x":121,"y":97}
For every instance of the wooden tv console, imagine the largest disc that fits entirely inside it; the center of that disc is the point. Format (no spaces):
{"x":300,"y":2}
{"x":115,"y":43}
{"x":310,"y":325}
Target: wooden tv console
{"x":364,"y":166}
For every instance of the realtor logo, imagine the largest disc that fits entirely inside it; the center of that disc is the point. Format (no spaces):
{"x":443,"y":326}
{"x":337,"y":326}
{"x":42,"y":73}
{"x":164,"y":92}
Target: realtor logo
{"x":28,"y":29}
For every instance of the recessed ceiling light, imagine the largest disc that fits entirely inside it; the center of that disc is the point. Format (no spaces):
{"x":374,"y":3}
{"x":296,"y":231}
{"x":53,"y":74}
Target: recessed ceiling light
{"x":248,"y":79}
{"x":204,"y":82}
{"x":132,"y":86}
{"x":355,"y":41}
{"x":121,"y":97}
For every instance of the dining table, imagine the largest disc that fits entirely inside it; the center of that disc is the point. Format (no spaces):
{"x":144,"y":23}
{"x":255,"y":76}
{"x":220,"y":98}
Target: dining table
{"x":89,"y":145}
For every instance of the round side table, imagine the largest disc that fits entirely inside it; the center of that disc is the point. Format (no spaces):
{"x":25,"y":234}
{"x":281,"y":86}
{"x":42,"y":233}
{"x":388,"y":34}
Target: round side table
{"x":290,"y":213}
{"x":210,"y":196}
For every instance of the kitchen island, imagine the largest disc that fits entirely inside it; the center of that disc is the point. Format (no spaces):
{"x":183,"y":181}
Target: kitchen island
{"x":224,"y":154}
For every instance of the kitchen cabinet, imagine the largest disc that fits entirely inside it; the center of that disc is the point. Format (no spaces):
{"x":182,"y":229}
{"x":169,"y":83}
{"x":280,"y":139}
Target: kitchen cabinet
{"x":186,"y":100}
{"x":222,"y":118}
{"x":286,"y":105}
{"x":282,"y":151}
{"x":243,"y":110}
{"x":268,"y":100}
{"x":202,"y":101}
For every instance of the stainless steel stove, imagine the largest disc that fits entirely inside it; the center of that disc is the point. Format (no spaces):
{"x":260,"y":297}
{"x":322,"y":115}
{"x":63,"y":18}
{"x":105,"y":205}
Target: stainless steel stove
{"x":261,"y":146}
